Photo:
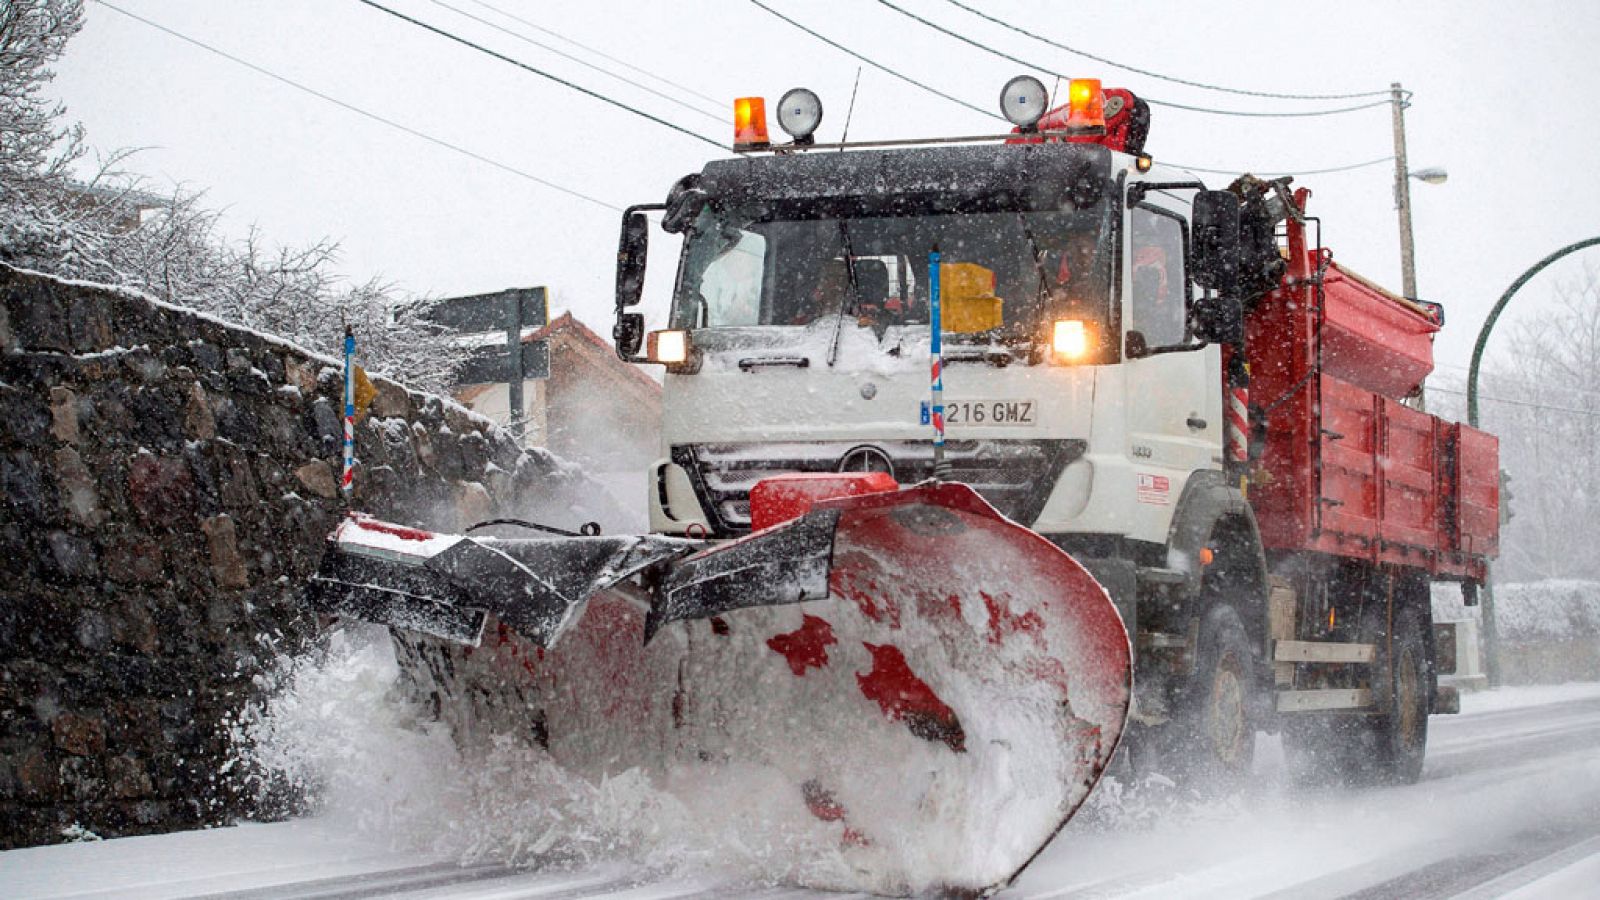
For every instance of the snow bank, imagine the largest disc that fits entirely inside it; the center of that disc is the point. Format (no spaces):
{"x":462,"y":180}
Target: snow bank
{"x":1557,"y":609}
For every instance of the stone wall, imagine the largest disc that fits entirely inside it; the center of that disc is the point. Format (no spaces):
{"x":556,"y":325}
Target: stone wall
{"x":168,"y":483}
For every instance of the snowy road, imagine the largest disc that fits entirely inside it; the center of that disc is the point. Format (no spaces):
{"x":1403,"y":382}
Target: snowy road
{"x":1509,"y":806}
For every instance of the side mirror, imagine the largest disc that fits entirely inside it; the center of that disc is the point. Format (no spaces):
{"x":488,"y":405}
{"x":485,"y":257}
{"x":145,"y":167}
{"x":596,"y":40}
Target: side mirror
{"x":628,"y":334}
{"x":631,"y":253}
{"x":1215,"y":251}
{"x":1136,"y":345}
{"x":1214,"y":264}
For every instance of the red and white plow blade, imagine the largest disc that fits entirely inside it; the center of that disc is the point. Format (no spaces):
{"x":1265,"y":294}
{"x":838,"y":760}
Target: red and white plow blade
{"x":937,"y":717}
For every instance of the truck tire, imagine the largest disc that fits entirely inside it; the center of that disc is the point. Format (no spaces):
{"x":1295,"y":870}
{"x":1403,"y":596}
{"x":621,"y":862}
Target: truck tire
{"x":1402,"y":732}
{"x":1218,"y":722}
{"x":1385,"y":747}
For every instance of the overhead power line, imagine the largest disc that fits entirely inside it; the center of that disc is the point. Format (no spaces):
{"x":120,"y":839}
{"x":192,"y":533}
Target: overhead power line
{"x":720,"y":103}
{"x":1146,"y":72}
{"x":938,"y":93}
{"x":1360,"y":165}
{"x":565,"y":55}
{"x":349,"y":107}
{"x":1528,"y":403}
{"x":1500,"y":378}
{"x":1254,"y":114}
{"x":879,"y":66}
{"x":540,"y":72}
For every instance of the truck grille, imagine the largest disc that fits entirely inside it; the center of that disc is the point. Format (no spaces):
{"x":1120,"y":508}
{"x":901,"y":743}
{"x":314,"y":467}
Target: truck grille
{"x":1016,"y":476}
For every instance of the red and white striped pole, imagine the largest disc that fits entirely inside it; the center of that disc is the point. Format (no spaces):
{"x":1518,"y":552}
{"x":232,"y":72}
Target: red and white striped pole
{"x":1237,"y":432}
{"x":936,"y":351}
{"x":347,"y":481}
{"x":1236,"y":414}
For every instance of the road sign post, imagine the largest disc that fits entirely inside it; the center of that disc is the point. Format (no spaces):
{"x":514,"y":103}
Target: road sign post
{"x":511,"y":310}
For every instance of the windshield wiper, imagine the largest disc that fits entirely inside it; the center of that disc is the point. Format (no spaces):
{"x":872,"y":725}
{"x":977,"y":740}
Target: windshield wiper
{"x":853,"y":291}
{"x":1038,"y":260}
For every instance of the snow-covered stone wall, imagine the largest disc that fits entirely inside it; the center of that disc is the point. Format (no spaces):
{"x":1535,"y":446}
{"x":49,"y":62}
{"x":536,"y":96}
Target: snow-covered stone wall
{"x":168,"y":481}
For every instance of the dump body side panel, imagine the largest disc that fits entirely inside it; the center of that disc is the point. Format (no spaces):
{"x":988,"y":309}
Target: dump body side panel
{"x":1347,"y":469}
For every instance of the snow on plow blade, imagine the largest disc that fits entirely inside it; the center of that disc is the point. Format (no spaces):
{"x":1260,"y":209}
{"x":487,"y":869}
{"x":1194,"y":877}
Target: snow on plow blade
{"x":925,"y":688}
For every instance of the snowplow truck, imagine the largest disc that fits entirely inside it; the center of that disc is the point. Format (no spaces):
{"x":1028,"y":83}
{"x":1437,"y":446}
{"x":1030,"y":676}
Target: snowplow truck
{"x":977,"y":454}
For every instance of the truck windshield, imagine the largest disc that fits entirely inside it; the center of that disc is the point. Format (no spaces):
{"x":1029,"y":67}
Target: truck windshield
{"x":1003,"y":274}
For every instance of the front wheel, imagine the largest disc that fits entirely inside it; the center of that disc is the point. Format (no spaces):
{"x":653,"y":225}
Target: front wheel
{"x":1214,"y":734}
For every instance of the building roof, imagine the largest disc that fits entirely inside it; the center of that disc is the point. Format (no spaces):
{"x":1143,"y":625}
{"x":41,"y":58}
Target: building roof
{"x":596,"y":348}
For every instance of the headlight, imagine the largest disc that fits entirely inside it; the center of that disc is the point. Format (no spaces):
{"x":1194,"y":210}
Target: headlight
{"x":1070,"y":340}
{"x":669,"y":347}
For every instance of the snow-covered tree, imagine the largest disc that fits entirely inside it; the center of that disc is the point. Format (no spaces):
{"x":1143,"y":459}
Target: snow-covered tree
{"x":1541,"y":396}
{"x":106,"y":227}
{"x":33,"y":139}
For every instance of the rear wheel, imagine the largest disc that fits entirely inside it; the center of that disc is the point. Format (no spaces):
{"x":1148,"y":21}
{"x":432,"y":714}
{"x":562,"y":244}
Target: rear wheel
{"x":1402,"y":732}
{"x":1386,"y":746}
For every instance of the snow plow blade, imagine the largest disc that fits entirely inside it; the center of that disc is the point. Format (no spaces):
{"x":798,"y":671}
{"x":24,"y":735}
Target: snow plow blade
{"x":906,"y":687}
{"x":446,"y":585}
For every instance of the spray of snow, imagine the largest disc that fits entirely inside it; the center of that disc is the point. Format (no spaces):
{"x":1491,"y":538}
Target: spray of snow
{"x":336,"y":729}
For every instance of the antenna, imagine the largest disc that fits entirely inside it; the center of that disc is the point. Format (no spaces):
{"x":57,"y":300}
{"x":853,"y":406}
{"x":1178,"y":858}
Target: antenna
{"x":851,"y":111}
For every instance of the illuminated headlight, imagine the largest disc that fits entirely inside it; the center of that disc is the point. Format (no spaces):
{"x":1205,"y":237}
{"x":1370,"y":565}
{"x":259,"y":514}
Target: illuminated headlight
{"x":1070,"y":340}
{"x":799,"y":114}
{"x":669,"y":347}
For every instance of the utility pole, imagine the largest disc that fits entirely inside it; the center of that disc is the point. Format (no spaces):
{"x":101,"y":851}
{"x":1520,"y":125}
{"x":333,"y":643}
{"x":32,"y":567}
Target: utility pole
{"x":1402,"y":194}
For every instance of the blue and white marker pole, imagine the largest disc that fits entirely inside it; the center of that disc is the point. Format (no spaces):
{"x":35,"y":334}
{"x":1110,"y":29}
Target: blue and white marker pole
{"x":936,"y":350}
{"x":347,"y":482}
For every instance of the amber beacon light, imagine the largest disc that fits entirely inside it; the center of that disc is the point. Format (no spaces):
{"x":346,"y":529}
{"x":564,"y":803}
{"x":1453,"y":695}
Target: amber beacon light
{"x":1086,"y":107}
{"x":750,"y":123}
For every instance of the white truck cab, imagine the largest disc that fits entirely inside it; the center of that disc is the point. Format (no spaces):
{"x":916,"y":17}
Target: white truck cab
{"x":802,"y":310}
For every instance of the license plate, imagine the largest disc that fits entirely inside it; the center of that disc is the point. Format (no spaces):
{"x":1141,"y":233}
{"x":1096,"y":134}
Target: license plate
{"x":991,"y":413}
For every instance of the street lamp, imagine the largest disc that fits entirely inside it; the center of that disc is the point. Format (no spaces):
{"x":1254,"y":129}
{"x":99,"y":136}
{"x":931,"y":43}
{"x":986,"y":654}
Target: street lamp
{"x":1431,"y":175}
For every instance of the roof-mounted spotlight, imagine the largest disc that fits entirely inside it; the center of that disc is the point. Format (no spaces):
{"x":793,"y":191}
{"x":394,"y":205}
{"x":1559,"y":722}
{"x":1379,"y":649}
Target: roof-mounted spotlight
{"x":1023,"y":101}
{"x":799,"y":114}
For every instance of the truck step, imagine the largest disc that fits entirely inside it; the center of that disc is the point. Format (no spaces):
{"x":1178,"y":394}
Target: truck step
{"x":1157,"y":575}
{"x":1313,"y":701}
{"x":1322,"y":652}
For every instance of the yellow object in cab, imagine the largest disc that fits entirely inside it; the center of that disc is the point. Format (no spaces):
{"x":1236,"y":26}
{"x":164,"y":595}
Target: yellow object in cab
{"x":966,"y":298}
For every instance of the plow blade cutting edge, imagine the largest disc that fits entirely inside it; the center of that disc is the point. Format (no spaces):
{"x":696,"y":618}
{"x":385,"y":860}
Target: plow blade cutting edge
{"x":924,"y":687}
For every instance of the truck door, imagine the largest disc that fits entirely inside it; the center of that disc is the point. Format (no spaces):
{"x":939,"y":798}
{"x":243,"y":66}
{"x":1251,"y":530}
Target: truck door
{"x":1174,"y":399}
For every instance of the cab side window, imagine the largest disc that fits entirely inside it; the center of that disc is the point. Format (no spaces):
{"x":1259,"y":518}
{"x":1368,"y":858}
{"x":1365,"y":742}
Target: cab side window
{"x":1160,"y":287}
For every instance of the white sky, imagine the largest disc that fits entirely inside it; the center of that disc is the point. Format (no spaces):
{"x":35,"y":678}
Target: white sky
{"x":1504,"y":98}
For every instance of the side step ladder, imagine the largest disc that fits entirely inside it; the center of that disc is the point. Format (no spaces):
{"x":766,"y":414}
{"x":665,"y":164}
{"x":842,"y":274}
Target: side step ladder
{"x":1285,"y":654}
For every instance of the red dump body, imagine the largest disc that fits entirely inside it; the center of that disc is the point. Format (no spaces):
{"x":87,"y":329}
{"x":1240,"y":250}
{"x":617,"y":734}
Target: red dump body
{"x":1348,"y":470}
